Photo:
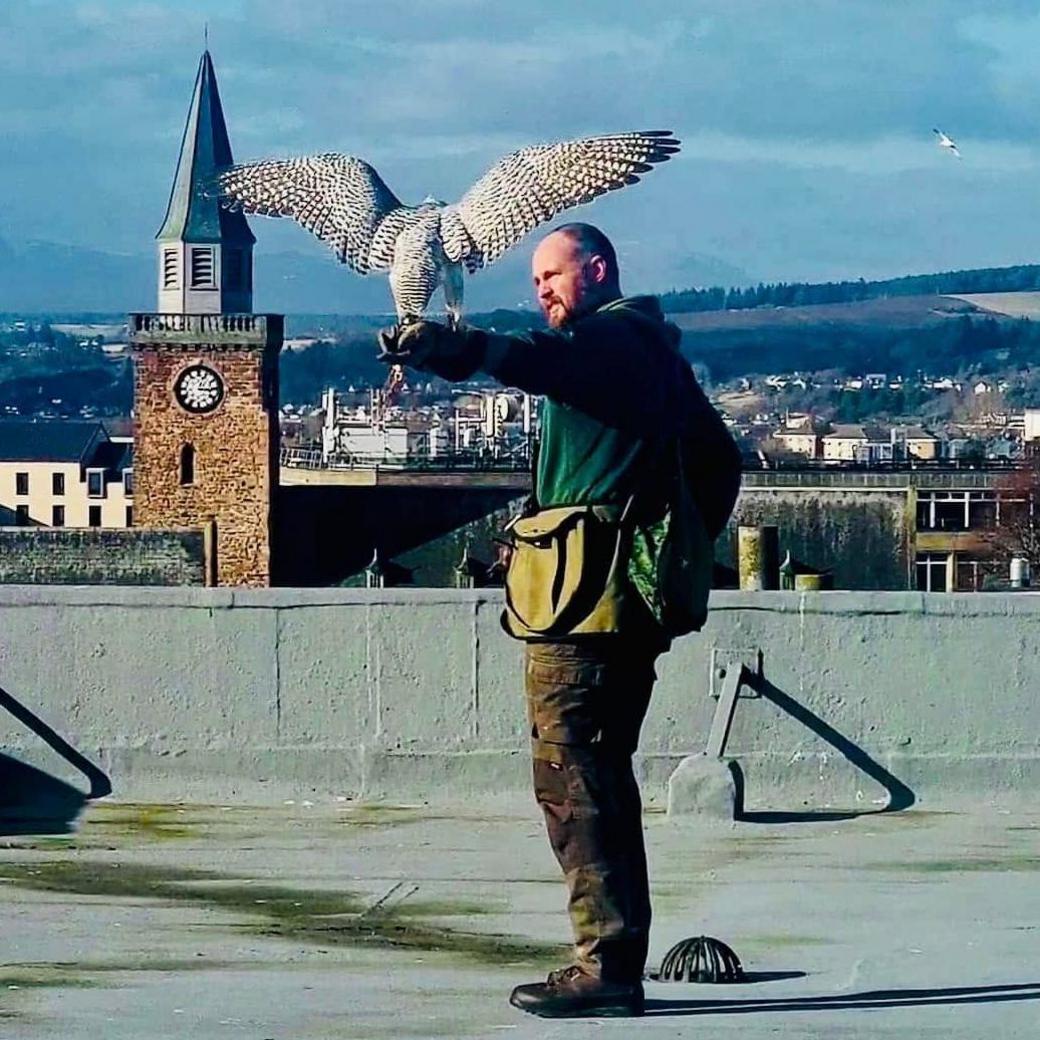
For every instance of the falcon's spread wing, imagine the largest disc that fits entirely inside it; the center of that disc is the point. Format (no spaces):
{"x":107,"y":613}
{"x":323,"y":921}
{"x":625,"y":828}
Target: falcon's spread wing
{"x":531,"y":186}
{"x":340,"y":199}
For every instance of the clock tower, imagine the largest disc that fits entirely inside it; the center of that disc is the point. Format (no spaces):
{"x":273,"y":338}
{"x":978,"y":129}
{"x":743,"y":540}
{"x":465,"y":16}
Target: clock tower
{"x":206,"y":367}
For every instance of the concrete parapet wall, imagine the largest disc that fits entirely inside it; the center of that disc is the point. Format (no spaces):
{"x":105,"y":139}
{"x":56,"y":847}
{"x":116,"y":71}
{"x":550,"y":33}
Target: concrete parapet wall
{"x":100,"y":556}
{"x":275,"y":693}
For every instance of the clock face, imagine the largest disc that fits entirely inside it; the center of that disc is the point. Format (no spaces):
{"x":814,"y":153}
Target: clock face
{"x":199,"y":389}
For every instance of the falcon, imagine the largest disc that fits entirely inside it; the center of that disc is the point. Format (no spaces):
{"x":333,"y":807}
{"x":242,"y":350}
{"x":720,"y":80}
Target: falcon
{"x":344,"y":202}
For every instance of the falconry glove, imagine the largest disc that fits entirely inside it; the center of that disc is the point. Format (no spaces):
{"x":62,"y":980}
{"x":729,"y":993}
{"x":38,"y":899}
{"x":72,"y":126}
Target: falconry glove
{"x":451,"y":353}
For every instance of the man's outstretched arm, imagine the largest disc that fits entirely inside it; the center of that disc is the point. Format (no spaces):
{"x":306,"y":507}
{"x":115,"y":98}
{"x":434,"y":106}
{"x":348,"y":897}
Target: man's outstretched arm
{"x":600,"y":368}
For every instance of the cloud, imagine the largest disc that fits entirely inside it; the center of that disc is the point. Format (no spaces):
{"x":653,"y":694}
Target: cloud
{"x":807,"y":126}
{"x":869,"y":156}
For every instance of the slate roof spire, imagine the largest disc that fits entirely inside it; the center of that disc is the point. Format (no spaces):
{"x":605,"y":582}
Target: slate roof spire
{"x":194,"y":213}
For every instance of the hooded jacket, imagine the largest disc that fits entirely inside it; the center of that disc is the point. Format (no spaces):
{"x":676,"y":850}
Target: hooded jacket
{"x":618,"y":396}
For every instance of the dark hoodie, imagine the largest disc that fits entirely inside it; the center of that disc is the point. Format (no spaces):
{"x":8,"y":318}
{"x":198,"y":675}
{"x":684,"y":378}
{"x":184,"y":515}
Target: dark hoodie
{"x":618,"y":395}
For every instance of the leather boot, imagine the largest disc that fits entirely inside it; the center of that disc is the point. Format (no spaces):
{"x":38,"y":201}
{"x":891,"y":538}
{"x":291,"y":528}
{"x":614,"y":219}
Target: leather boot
{"x":573,"y":993}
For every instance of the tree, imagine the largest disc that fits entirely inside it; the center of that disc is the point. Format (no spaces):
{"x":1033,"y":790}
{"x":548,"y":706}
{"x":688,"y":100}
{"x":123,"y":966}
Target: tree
{"x":1018,"y":531}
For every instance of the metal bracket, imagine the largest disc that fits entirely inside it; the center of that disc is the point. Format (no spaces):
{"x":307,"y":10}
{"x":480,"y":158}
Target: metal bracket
{"x":725,"y":659}
{"x":731,"y":672}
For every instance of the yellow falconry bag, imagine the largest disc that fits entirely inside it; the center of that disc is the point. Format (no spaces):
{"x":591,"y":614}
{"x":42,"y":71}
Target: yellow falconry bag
{"x":567,"y":572}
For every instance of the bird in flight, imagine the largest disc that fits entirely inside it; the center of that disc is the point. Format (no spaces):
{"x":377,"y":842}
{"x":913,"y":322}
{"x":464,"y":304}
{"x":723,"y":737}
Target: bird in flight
{"x":345,"y":203}
{"x":946,"y":142}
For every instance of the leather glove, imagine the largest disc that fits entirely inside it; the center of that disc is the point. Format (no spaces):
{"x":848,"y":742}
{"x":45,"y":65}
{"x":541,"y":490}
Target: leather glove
{"x":449,"y":353}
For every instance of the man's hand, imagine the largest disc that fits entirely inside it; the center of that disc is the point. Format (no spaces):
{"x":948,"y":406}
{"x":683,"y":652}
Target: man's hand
{"x":428,"y":345}
{"x":409,"y":344}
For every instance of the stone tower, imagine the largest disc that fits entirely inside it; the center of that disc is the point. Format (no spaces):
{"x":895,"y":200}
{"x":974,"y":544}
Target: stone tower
{"x":206,"y":368}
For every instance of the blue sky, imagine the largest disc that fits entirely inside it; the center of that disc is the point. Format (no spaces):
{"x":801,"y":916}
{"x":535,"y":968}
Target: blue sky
{"x":808,"y":151}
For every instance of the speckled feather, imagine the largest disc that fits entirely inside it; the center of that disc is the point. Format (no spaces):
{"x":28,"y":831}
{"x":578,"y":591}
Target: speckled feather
{"x":344,"y":202}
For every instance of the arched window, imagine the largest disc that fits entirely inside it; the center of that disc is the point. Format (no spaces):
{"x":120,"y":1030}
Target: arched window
{"x":187,"y":465}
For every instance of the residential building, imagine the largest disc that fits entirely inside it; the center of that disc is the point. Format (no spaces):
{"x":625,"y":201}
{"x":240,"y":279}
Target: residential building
{"x":64,"y":474}
{"x":801,"y":435}
{"x":1031,"y":424}
{"x":915,"y":442}
{"x":854,"y":442}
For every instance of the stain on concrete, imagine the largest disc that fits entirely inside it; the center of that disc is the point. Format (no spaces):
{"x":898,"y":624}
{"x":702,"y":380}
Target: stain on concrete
{"x":968,"y":864}
{"x":321,"y":918}
{"x":138,"y":821}
{"x":15,"y":977}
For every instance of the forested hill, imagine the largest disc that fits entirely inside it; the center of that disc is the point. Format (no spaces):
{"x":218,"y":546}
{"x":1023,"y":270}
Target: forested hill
{"x":800,"y":294}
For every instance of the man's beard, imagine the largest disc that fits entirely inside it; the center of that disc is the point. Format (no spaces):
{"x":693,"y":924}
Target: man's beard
{"x":558,"y":314}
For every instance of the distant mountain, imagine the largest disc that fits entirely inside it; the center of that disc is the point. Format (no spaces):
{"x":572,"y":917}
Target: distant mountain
{"x":51,"y":278}
{"x":47,"y":278}
{"x":315,"y":283}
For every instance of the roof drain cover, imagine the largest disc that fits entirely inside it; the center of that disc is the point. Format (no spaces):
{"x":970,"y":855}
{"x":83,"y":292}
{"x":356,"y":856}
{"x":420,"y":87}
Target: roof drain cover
{"x":702,"y":959}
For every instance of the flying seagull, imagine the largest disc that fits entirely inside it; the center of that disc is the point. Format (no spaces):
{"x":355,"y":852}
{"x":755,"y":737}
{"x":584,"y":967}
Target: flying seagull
{"x":344,"y":202}
{"x":946,"y":142}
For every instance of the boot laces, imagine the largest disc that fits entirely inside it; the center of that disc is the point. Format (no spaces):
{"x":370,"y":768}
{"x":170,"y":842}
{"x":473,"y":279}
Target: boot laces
{"x":564,"y":975}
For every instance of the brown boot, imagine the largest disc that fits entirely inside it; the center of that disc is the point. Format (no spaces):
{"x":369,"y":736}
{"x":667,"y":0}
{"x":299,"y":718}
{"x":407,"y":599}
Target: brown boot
{"x":573,"y":993}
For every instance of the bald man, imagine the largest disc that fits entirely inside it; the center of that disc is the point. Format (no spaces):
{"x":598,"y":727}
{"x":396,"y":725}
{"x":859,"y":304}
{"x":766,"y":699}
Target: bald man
{"x":618,"y":396}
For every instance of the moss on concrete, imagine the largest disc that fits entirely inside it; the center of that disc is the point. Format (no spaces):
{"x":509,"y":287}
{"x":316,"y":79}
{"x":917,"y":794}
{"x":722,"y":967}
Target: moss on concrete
{"x":14,"y":977}
{"x":318,"y":917}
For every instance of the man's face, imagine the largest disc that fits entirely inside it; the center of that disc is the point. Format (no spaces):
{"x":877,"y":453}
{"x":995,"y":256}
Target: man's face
{"x":565,"y":282}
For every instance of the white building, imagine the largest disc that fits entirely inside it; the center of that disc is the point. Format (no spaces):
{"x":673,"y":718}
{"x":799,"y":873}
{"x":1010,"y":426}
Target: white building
{"x":64,"y":474}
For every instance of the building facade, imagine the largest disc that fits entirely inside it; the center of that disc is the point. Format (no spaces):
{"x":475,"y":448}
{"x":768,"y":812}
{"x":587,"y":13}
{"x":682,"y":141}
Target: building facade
{"x":64,"y":474}
{"x":935,"y":529}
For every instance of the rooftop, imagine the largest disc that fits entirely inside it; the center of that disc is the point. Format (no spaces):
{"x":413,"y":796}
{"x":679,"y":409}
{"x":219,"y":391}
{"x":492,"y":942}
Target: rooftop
{"x":66,"y":441}
{"x":220,"y":920}
{"x":885,"y":860}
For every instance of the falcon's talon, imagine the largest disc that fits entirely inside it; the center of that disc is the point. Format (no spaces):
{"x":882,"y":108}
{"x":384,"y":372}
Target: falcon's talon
{"x":389,"y":339}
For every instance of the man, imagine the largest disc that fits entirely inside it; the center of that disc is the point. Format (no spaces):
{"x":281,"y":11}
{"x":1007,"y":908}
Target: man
{"x":618,"y":395}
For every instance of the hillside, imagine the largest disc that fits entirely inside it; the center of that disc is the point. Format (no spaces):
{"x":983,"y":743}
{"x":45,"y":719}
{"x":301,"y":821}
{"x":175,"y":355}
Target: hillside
{"x":1017,"y":278}
{"x":905,"y":335}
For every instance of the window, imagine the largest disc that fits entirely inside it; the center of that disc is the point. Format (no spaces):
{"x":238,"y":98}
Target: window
{"x":58,"y":483}
{"x":21,"y":516}
{"x":931,"y":571}
{"x":95,"y":483}
{"x":170,"y":269}
{"x":187,"y":465}
{"x":970,"y":575}
{"x":95,"y":516}
{"x":956,"y":510}
{"x":57,"y":516}
{"x":128,"y":482}
{"x":21,"y":483}
{"x":129,"y":516}
{"x":202,"y":268}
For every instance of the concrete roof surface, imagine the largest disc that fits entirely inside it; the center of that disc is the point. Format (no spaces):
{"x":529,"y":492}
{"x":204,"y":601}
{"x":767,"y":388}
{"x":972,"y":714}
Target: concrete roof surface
{"x":344,"y":920}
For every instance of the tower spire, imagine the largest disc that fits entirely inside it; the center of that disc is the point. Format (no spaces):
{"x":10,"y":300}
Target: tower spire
{"x":205,"y":250}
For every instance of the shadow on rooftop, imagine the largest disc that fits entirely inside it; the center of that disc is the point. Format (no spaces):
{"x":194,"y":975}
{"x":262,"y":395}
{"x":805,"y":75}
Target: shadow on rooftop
{"x":899,"y":795}
{"x":31,"y":800}
{"x":870,"y":999}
